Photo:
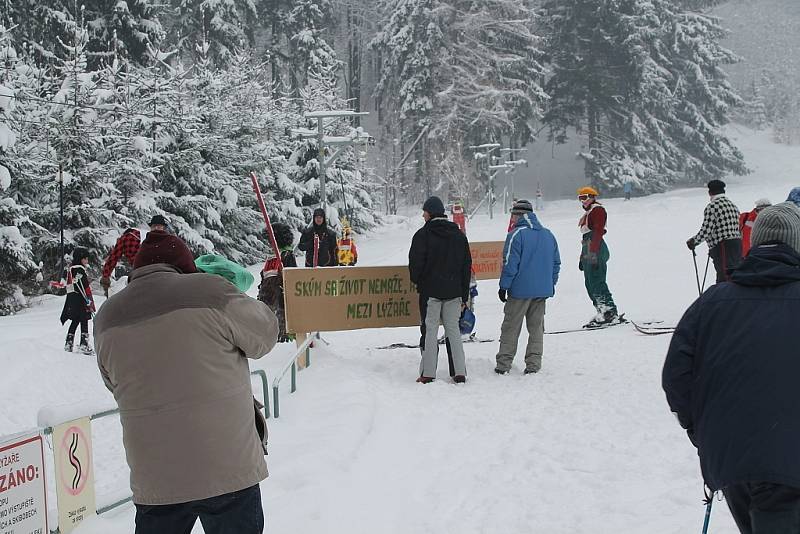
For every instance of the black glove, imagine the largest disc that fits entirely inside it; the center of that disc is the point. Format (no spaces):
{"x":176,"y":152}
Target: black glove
{"x":502,"y":295}
{"x":690,"y":243}
{"x":580,"y":263}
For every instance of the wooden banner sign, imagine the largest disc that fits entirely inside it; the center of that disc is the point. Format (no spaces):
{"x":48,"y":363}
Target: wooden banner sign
{"x":348,"y":298}
{"x":487,"y":259}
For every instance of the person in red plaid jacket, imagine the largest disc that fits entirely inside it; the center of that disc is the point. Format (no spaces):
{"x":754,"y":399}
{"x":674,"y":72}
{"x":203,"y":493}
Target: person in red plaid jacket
{"x":126,"y":246}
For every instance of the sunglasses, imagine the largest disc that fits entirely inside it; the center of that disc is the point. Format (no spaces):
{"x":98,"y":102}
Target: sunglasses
{"x":584,"y":197}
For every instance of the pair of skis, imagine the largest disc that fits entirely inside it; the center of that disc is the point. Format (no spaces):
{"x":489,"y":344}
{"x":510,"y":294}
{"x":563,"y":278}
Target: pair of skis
{"x":647,"y":328}
{"x":589,"y":327}
{"x":471,"y":339}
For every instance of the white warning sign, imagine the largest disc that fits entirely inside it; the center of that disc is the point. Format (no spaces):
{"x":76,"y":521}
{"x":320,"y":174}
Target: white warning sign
{"x":23,"y":501}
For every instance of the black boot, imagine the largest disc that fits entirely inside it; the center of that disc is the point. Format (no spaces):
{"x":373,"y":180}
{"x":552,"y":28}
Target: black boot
{"x":68,"y":343}
{"x":85,"y":347}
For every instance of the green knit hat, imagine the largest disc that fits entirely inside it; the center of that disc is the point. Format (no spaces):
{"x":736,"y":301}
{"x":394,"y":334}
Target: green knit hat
{"x":232,"y":272}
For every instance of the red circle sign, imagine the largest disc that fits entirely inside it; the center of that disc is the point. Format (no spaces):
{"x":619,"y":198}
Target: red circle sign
{"x":76,"y":447}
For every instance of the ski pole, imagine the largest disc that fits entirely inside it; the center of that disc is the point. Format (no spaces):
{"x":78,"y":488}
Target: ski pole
{"x":708,"y":514}
{"x":705,"y":274}
{"x":270,"y":233}
{"x":697,"y":273}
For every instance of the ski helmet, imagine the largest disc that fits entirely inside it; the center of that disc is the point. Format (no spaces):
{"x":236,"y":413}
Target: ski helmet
{"x":467,"y":322}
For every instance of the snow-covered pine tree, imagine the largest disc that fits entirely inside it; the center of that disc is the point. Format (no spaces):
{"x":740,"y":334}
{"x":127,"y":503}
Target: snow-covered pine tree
{"x":224,"y":24}
{"x":16,"y":254}
{"x":754,"y":112}
{"x":77,"y":136}
{"x":39,"y":24}
{"x":125,"y":25}
{"x":121,"y":29}
{"x":468,"y":70}
{"x":311,"y":55}
{"x":134,"y":113}
{"x":705,"y":98}
{"x":490,"y":70}
{"x":354,"y":23}
{"x":643,"y":82}
{"x":408,"y":45}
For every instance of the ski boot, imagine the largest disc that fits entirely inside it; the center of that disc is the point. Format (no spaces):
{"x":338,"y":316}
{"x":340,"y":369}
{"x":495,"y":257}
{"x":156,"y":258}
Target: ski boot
{"x":605,"y":318}
{"x":612,"y":317}
{"x":68,"y":343}
{"x":596,"y":321}
{"x":85,"y":348}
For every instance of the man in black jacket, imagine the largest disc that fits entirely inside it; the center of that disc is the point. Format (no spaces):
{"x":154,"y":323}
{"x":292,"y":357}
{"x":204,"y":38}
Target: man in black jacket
{"x":440,"y":264}
{"x":319,"y":241}
{"x":731,"y":378}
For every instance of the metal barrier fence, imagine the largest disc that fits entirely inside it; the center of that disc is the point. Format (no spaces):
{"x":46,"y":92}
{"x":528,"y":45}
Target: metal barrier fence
{"x":103,"y":509}
{"x":305,"y":347}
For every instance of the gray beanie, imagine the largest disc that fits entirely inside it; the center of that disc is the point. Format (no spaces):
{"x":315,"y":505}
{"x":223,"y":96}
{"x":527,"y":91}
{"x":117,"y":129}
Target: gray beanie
{"x":781,"y":223}
{"x":521,"y":207}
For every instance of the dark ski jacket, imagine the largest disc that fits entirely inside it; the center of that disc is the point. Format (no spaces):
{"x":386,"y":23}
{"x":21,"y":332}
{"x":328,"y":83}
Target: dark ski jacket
{"x":731,"y":372}
{"x":79,"y":303}
{"x":439,"y":261}
{"x":327,"y":244}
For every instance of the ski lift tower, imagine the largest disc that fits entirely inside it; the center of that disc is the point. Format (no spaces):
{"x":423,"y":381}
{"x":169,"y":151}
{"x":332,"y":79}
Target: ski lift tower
{"x":483,"y":153}
{"x":324,"y":118}
{"x":512,"y":152}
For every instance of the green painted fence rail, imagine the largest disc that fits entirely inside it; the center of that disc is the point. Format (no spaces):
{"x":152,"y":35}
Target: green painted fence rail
{"x":262,"y":375}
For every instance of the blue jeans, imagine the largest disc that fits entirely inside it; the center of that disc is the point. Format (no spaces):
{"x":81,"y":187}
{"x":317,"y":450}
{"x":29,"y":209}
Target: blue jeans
{"x":239,"y":512}
{"x":764,"y":508}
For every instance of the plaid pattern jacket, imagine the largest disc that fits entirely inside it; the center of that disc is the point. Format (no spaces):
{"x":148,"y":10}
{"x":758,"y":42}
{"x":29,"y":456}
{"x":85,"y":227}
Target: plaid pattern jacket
{"x":127,"y":245}
{"x":720,"y":222}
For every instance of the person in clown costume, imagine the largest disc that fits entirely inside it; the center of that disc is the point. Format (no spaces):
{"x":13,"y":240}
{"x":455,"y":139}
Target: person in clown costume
{"x":346,"y":250}
{"x":594,"y":258}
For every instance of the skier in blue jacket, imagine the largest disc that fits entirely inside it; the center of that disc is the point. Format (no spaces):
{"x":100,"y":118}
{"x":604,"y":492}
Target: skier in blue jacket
{"x":531,"y":264}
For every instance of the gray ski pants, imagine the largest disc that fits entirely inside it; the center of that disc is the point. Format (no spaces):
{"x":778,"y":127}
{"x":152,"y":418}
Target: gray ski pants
{"x":532,"y":310}
{"x":447,"y":313}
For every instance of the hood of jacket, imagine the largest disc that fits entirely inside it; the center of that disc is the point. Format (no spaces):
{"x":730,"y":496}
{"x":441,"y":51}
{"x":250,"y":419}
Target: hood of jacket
{"x":441,"y":227}
{"x":768,"y":265}
{"x":528,"y":220}
{"x":319,"y":212}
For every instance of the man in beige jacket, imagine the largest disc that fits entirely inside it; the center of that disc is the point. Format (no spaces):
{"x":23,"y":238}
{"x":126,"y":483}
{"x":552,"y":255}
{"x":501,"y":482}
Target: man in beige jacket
{"x":173,"y":349}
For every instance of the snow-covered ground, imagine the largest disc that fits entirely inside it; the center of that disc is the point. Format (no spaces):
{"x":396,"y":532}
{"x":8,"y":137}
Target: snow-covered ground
{"x":585,"y":446}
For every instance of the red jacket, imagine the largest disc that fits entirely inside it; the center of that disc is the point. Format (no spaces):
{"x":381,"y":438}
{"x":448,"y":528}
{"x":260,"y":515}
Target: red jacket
{"x":746,"y":222}
{"x":127,"y":245}
{"x":595,"y":220}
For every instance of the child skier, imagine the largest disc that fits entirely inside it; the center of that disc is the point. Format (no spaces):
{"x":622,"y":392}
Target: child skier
{"x":79,"y":305}
{"x":346,"y":250}
{"x":459,"y":217}
{"x":270,"y":290}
